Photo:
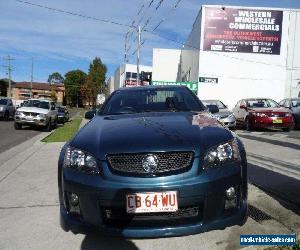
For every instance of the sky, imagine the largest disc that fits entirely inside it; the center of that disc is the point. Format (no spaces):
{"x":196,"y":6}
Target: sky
{"x":59,"y":42}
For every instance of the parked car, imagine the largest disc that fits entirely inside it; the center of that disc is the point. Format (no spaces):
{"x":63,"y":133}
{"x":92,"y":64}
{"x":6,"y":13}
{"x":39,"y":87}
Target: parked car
{"x":37,"y":112}
{"x":255,"y":113}
{"x":7,"y":109}
{"x":90,"y":114}
{"x":224,"y":115}
{"x":293,"y":104}
{"x":152,"y":163}
{"x":62,"y":115}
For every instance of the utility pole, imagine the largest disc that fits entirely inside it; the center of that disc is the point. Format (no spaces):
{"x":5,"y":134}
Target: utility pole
{"x":125,"y":51}
{"x":9,"y":69}
{"x":31,"y":78}
{"x":138,"y":56}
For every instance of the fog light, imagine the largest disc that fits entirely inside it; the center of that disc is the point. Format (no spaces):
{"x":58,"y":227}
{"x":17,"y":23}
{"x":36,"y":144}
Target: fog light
{"x":230,"y":193}
{"x":108,"y":213}
{"x":73,"y":202}
{"x":73,"y":198}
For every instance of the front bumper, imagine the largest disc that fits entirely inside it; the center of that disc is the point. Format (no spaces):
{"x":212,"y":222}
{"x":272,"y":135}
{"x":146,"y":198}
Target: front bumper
{"x":273,"y":122}
{"x":229,"y":121}
{"x":31,"y":121}
{"x":207,"y":191}
{"x":61,"y":119}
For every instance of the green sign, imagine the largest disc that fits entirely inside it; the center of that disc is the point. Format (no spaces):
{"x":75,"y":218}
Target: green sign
{"x":191,"y":85}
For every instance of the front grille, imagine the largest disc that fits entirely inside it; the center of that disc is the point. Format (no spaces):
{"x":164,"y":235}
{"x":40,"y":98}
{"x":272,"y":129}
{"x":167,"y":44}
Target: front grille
{"x":119,"y":217}
{"x":167,"y":162}
{"x":30,"y":114}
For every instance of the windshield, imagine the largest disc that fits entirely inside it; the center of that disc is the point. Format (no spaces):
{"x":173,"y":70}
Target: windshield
{"x":296,"y":103}
{"x":262,"y":103}
{"x":220,"y":104}
{"x":152,"y":100}
{"x":3,"y":101}
{"x":61,"y":110}
{"x":37,"y":104}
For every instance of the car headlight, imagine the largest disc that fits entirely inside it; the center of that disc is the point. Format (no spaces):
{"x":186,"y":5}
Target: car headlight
{"x":231,"y":116}
{"x":1,"y":108}
{"x":81,"y":161}
{"x":288,"y":115}
{"x":19,"y":113}
{"x":222,"y":154}
{"x":42,"y":116}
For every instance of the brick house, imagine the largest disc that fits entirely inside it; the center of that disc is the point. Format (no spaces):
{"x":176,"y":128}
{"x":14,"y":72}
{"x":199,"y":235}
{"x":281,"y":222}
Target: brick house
{"x":21,"y":91}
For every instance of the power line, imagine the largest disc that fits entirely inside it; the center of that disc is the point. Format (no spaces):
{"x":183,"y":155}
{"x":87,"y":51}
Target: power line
{"x":160,"y":22}
{"x":146,"y":30}
{"x":76,"y":14}
{"x":142,"y":10}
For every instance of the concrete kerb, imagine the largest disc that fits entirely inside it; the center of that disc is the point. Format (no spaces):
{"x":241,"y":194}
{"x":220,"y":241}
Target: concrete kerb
{"x":40,"y":141}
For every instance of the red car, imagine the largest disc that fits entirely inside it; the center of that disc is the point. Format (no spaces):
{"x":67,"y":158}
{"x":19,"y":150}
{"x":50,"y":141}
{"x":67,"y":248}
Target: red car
{"x":262,"y":113}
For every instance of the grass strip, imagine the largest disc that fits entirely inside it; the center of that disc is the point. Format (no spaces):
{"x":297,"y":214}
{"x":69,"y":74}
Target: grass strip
{"x":65,"y":132}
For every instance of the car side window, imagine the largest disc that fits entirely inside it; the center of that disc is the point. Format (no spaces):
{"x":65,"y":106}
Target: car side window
{"x":282,"y":103}
{"x":238,"y":104}
{"x":287,"y":103}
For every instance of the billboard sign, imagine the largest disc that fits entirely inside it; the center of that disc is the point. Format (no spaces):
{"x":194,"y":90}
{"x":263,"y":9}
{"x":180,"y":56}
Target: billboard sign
{"x":134,"y":83}
{"x":242,"y":30}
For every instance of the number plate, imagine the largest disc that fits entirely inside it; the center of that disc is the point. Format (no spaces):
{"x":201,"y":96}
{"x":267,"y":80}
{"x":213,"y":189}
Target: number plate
{"x":152,"y":202}
{"x":277,"y":121}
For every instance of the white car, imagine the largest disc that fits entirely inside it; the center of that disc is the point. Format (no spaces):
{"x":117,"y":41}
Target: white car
{"x":37,"y":112}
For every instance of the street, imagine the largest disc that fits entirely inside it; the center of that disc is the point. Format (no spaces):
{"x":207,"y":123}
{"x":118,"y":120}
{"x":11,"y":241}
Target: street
{"x":29,"y":210}
{"x":11,"y":137}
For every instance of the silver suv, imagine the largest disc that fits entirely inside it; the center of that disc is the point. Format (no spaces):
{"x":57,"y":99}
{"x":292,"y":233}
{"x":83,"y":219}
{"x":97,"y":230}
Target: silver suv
{"x":37,"y":112}
{"x":7,"y":109}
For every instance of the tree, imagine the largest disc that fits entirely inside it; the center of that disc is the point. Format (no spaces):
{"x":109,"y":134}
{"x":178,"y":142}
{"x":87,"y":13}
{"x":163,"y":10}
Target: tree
{"x":53,"y":95}
{"x":74,"y":79}
{"x":95,"y":82}
{"x":3,"y":87}
{"x":55,"y":78}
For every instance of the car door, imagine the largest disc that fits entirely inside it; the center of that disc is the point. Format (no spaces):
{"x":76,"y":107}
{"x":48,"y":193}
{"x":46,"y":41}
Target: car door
{"x":10,"y":108}
{"x":235,"y":111}
{"x":240,"y":112}
{"x":243,"y":111}
{"x":53,"y":111}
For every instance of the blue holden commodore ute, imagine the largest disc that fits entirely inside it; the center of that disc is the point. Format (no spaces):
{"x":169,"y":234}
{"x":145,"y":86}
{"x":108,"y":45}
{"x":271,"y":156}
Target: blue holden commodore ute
{"x":153,"y":162}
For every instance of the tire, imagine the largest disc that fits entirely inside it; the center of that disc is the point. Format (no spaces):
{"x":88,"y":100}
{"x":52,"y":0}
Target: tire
{"x":248,"y":125}
{"x":48,"y":126}
{"x":18,"y":126}
{"x":6,"y":116}
{"x":55,"y":124}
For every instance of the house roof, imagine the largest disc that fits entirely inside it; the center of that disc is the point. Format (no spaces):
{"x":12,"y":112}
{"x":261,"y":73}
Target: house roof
{"x":38,"y":85}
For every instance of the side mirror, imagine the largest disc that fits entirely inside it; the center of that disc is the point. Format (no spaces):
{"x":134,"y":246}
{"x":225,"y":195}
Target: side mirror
{"x":213,"y":108}
{"x":90,"y":114}
{"x":243,"y":106}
